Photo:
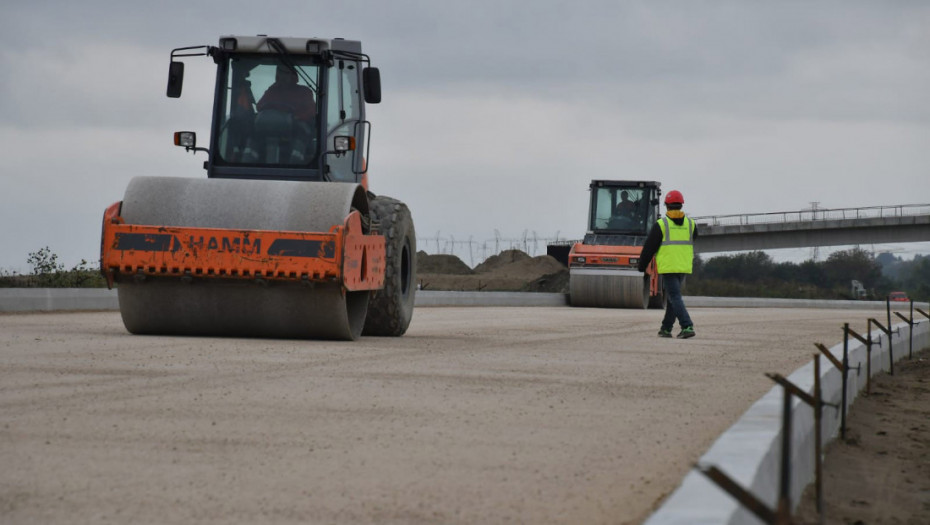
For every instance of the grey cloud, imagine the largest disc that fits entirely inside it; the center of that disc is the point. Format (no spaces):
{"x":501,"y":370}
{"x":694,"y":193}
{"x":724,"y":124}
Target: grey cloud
{"x":709,"y":97}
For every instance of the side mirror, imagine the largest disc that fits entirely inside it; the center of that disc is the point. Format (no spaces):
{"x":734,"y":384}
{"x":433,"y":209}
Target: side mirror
{"x":371,"y":83}
{"x":175,"y":79}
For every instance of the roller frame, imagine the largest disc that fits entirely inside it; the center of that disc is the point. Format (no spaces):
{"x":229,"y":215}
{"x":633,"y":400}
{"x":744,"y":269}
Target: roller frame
{"x":343,"y":255}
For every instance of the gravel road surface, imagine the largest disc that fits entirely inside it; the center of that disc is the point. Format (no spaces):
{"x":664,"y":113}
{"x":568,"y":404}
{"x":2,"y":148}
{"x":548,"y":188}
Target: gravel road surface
{"x":478,"y":415}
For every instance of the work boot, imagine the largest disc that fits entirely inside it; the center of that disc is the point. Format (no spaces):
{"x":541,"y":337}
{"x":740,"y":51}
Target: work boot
{"x":664,"y":333}
{"x":686,"y":332}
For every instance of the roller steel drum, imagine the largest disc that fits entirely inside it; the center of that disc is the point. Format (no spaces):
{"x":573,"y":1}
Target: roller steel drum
{"x":606,"y":288}
{"x":166,"y":305}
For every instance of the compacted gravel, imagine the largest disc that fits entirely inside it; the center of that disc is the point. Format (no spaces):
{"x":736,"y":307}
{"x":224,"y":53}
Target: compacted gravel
{"x":477,"y":415}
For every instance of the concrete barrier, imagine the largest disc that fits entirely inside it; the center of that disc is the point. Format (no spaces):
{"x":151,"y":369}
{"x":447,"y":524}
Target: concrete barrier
{"x":69,"y":299}
{"x":749,"y":452}
{"x":438,"y":298}
{"x":57,"y":299}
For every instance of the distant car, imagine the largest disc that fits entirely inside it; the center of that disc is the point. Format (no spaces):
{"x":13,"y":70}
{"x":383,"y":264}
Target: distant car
{"x":898,"y":296}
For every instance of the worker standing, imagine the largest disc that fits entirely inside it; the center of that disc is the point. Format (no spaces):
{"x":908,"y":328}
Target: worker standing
{"x":671,"y":241}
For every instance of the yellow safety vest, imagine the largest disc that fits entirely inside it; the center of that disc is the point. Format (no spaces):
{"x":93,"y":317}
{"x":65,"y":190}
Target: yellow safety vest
{"x":676,"y":254}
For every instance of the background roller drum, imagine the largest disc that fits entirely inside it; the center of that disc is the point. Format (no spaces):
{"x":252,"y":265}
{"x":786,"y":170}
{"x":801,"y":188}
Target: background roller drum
{"x":391,"y":308}
{"x":608,"y":288}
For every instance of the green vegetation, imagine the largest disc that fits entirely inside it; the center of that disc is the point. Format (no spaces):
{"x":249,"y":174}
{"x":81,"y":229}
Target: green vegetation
{"x":752,"y":274}
{"x":755,"y":274}
{"x":47,"y":272}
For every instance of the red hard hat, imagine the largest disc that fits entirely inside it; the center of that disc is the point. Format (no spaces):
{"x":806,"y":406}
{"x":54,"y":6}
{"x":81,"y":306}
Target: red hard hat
{"x":674,"y":197}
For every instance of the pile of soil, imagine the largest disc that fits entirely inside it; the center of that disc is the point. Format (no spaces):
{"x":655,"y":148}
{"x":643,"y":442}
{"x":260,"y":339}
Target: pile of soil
{"x":510,"y":270}
{"x":556,"y":282}
{"x":442,"y":264}
{"x":501,"y":260}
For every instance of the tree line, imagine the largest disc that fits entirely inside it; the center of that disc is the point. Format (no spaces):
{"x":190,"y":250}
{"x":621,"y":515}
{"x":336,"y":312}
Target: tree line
{"x":756,"y":274}
{"x":752,"y":274}
{"x":48,"y":272}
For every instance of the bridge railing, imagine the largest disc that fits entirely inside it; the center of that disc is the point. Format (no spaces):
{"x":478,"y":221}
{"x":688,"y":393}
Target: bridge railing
{"x":821,"y":214}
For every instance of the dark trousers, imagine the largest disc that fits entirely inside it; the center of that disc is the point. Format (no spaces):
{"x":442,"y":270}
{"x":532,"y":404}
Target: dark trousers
{"x":674,"y":305}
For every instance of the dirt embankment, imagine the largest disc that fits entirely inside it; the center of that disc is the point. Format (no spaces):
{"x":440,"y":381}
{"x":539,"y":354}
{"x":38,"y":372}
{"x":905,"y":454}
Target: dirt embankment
{"x":510,"y":270}
{"x":881,"y":472}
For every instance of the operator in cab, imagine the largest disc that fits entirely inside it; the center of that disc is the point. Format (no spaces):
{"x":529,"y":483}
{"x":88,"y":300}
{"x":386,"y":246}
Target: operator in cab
{"x":287,"y":95}
{"x":287,"y":98}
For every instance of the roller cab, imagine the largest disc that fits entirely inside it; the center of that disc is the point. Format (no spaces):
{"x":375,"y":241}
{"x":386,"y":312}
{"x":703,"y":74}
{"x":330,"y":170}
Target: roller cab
{"x":603,"y":266}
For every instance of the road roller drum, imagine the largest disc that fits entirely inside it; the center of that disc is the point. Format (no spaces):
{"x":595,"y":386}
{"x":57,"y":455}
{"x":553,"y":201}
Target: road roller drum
{"x":607,"y":288}
{"x":259,"y":306}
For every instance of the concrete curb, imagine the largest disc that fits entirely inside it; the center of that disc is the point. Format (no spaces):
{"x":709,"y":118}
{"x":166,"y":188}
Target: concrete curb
{"x":437,"y":298}
{"x":750,"y":450}
{"x":57,"y":299}
{"x":71,"y":299}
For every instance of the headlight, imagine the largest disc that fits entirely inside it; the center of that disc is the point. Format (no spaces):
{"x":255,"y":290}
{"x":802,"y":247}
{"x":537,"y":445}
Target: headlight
{"x":344,"y":143}
{"x":187,"y":139}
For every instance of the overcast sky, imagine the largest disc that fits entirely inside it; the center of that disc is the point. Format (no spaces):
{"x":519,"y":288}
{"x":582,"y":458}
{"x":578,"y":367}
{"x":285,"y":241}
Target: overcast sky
{"x":495,"y":114}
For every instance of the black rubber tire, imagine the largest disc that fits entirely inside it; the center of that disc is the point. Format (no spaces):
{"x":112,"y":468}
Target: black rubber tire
{"x":391,"y":308}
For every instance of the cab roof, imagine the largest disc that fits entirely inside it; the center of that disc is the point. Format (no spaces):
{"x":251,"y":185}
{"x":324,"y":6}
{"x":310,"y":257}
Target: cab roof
{"x":312,"y":46}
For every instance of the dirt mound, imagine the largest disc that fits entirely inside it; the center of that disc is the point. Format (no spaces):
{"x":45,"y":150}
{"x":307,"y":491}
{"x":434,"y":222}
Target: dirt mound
{"x":441,"y":264}
{"x":552,"y":283}
{"x":527,"y":269}
{"x":511,"y":270}
{"x":504,"y":258}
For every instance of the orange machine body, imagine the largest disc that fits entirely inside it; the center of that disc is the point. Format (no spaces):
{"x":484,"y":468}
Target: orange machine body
{"x":612,"y":257}
{"x":343,"y":254}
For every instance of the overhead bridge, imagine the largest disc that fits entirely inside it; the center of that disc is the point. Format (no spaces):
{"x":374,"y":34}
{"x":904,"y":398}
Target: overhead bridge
{"x":813,"y":228}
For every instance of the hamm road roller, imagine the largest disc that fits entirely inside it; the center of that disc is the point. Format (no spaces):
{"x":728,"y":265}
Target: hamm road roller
{"x":602,"y":267}
{"x":283,"y":238}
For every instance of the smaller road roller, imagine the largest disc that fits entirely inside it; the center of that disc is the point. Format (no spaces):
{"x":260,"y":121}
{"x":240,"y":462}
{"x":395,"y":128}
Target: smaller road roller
{"x":603,"y":266}
{"x":283,"y":238}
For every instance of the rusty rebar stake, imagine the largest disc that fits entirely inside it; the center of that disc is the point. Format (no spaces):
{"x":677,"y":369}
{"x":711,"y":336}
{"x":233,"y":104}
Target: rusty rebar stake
{"x":743,"y":496}
{"x":890,"y":342}
{"x":845,"y":370}
{"x":816,"y":402}
{"x":836,"y":362}
{"x":795,"y":390}
{"x":818,"y":439}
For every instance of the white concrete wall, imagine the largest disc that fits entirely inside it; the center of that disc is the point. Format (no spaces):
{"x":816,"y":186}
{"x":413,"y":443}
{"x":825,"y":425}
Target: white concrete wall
{"x":749,"y":452}
{"x":53,"y":299}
